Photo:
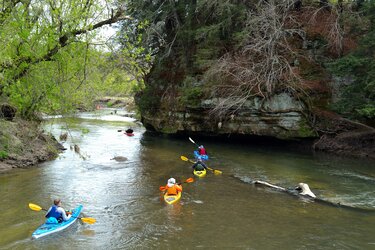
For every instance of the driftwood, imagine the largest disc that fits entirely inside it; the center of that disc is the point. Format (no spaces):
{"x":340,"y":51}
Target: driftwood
{"x":270,"y":185}
{"x":305,"y":192}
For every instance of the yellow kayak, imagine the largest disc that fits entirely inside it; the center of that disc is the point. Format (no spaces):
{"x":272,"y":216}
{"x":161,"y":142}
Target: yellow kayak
{"x":200,"y":173}
{"x":170,"y":199}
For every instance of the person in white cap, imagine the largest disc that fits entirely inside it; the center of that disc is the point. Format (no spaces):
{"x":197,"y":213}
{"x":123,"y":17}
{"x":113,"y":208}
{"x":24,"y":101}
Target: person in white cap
{"x":172,"y":188}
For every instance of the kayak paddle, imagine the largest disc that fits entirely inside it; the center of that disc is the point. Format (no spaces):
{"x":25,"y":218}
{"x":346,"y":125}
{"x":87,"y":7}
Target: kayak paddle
{"x":39,"y":208}
{"x":193,"y":142}
{"x":189,"y":180}
{"x":216,"y":171}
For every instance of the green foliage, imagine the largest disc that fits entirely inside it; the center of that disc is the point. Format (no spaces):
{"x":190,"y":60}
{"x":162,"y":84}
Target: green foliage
{"x":182,"y":39}
{"x":85,"y":131}
{"x":3,"y":154}
{"x":148,"y":100}
{"x":358,"y":97}
{"x":45,"y":66}
{"x":191,"y":94}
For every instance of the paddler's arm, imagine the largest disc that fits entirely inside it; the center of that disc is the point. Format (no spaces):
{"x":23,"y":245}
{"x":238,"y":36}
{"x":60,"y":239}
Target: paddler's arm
{"x":48,"y":211}
{"x":64,"y":216}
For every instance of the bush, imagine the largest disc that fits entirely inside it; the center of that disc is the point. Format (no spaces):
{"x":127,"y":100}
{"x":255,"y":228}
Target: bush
{"x":3,"y":155}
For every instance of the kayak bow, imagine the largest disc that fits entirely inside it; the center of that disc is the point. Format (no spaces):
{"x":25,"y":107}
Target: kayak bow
{"x":200,"y":173}
{"x":170,"y":199}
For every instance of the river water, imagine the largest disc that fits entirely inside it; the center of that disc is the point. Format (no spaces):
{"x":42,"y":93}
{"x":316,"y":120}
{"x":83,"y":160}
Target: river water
{"x":219,"y":211}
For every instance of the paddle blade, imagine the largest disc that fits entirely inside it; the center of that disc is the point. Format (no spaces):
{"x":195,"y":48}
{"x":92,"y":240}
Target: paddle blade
{"x":189,"y":180}
{"x":88,"y":220}
{"x":184,"y":158}
{"x":217,"y":171}
{"x":192,"y":140}
{"x":35,"y":207}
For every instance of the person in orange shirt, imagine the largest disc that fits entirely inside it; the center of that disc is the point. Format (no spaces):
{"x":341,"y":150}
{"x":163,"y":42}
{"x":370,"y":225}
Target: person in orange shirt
{"x":172,"y":188}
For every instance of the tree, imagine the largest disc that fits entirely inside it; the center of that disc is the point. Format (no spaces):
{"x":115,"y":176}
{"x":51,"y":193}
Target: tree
{"x":261,"y":64}
{"x":38,"y":40}
{"x":358,"y":95}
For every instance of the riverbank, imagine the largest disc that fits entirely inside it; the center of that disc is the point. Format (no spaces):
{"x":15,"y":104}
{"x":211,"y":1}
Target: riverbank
{"x":24,"y":144}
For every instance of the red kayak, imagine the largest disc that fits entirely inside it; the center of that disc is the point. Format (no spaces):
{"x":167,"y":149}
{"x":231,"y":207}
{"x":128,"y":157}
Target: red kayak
{"x":129,"y":134}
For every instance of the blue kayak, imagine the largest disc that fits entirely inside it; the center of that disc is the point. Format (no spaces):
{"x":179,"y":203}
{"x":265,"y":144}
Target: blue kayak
{"x":49,"y":228}
{"x":196,"y":155}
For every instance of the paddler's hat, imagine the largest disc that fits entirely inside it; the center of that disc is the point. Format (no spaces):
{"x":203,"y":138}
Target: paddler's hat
{"x":171,"y":182}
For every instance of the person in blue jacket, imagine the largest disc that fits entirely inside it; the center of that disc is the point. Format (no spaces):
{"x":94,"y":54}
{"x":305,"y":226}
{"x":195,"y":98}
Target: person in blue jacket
{"x":199,"y":165}
{"x":57,"y":212}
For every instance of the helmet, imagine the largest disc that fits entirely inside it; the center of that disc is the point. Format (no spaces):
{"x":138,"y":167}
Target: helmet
{"x":171,"y":182}
{"x":201,"y":146}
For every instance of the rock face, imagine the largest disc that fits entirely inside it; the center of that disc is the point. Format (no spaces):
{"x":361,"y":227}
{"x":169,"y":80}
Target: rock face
{"x":281,"y":116}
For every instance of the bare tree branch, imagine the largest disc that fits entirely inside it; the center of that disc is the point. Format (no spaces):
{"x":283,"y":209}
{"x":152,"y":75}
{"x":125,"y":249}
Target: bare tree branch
{"x":262,"y":65}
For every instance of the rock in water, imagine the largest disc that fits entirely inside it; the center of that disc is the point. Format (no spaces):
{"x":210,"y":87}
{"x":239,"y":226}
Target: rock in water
{"x":119,"y":158}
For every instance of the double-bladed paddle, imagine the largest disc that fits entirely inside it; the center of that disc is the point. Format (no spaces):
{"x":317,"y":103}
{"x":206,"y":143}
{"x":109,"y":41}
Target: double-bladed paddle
{"x":39,"y":208}
{"x":189,"y":180}
{"x":216,"y":171}
{"x":193,"y":142}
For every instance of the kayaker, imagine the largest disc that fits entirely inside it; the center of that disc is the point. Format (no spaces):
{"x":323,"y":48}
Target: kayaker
{"x":57,"y":212}
{"x":172,"y":188}
{"x":129,"y":131}
{"x":199,"y":165}
{"x":202,"y":150}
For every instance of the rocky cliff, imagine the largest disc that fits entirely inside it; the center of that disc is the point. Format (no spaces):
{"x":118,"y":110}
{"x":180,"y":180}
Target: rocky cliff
{"x":281,"y":116}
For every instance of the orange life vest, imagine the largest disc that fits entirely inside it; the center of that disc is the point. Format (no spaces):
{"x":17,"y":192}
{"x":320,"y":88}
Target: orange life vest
{"x":174,"y":189}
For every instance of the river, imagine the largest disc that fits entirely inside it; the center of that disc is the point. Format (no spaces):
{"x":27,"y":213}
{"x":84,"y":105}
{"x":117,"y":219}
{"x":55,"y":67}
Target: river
{"x":218,"y":211}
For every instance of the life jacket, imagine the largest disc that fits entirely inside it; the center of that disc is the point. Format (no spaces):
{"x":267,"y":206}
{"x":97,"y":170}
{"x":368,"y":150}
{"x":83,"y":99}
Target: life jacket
{"x":54,"y":213}
{"x":202,"y":151}
{"x":174,"y":189}
{"x":199,"y":167}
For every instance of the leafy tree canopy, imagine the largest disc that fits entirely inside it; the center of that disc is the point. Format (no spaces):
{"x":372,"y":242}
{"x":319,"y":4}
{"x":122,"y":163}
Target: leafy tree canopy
{"x":48,"y":58}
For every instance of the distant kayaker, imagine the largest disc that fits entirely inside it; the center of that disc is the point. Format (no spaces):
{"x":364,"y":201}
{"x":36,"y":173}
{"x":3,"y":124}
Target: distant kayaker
{"x":202,"y":150}
{"x":129,"y":131}
{"x":199,"y":165}
{"x":57,"y":212}
{"x":172,"y":188}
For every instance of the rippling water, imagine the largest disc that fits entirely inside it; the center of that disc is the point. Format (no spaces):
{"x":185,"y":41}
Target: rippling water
{"x":218,"y":211}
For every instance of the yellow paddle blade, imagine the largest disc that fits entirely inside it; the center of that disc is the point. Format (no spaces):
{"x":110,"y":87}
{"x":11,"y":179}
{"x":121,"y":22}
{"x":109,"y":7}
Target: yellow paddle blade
{"x":88,"y":220}
{"x":184,"y":158}
{"x":217,"y":171}
{"x":34,"y":207}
